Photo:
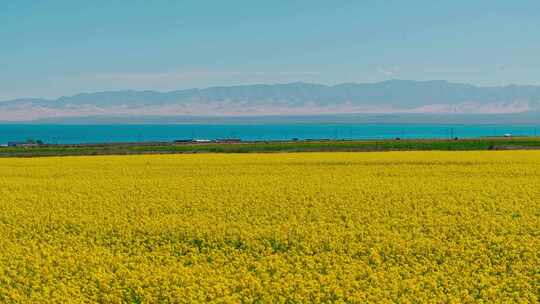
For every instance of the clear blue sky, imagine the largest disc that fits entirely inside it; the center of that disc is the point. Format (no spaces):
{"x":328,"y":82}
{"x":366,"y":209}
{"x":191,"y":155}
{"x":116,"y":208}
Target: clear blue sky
{"x":53,"y":48}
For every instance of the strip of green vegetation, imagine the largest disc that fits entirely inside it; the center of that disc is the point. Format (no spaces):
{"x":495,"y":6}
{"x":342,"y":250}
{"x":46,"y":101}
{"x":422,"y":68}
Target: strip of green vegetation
{"x":385,"y":145}
{"x":293,"y":146}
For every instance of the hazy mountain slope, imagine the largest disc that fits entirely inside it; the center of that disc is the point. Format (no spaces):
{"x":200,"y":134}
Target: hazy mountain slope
{"x":394,"y":96}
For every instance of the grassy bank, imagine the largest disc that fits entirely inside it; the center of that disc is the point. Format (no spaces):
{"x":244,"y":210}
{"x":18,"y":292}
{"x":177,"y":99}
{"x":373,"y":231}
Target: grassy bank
{"x":286,"y":146}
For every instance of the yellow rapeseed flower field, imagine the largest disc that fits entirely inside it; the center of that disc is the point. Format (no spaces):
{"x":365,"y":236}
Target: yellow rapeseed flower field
{"x":441,"y":227}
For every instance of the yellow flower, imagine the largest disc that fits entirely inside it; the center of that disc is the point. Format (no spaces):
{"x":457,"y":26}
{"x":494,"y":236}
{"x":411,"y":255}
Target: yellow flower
{"x":452,"y":227}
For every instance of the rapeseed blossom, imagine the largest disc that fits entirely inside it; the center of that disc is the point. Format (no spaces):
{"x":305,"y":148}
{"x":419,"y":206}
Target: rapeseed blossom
{"x":444,"y":227}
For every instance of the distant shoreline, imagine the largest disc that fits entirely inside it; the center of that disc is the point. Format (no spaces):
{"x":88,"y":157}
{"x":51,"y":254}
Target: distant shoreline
{"x":134,"y":148}
{"x":528,"y":118}
{"x":255,"y":132}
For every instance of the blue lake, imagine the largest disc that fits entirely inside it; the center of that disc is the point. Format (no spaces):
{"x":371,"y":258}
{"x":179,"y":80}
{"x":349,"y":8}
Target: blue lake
{"x":69,"y":134}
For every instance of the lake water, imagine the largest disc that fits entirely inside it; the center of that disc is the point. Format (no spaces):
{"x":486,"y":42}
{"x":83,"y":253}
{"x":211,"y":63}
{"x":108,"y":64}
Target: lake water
{"x":69,"y":134}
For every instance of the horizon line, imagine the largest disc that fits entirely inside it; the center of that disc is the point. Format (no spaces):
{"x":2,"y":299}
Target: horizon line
{"x":267,"y":84}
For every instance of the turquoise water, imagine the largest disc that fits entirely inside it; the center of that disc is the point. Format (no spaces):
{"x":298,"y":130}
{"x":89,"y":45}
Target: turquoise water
{"x":70,"y":134}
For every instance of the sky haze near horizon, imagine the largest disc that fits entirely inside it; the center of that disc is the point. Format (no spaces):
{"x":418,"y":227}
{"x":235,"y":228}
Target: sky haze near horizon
{"x":54,"y":48}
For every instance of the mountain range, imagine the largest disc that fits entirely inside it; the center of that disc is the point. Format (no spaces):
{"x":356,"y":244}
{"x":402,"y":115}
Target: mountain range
{"x":387,"y":97}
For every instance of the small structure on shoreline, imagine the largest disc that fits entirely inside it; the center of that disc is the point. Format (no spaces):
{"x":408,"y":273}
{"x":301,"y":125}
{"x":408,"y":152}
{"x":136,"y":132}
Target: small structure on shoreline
{"x":199,"y":141}
{"x":25,"y":144}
